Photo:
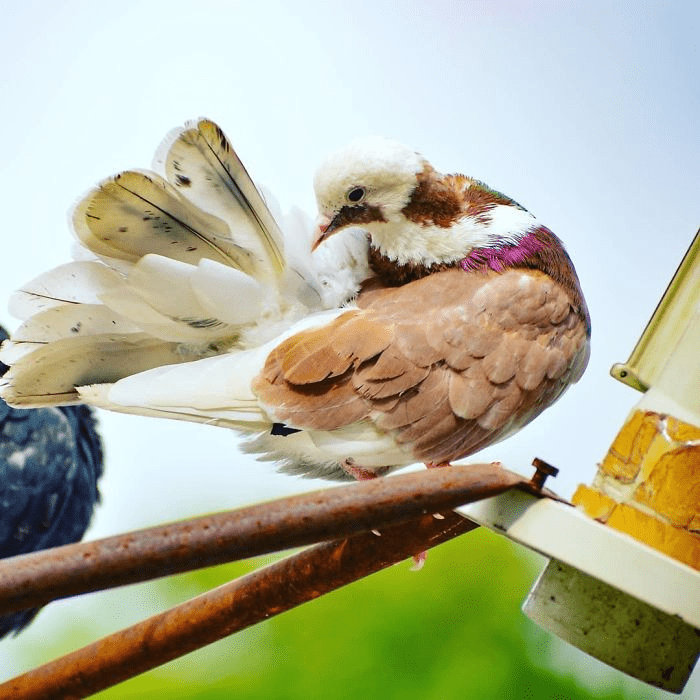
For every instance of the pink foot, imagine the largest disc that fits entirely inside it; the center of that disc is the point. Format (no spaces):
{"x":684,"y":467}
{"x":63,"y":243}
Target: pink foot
{"x":358,"y":473}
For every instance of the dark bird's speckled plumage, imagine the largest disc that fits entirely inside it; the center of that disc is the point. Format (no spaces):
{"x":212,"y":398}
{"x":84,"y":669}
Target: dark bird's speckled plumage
{"x":50,"y":463}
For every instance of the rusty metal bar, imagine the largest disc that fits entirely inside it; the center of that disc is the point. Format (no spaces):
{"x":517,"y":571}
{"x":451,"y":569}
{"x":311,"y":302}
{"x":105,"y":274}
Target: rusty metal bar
{"x":230,"y":608}
{"x":35,"y":579}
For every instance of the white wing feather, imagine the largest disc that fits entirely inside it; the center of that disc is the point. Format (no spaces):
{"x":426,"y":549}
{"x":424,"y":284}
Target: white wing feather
{"x":217,"y":387}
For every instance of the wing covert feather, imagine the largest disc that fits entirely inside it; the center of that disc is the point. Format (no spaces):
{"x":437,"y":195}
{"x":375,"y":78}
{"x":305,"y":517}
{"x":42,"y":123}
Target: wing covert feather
{"x":445,"y":364}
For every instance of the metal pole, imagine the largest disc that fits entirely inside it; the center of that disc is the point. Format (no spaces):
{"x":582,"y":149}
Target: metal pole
{"x":34,"y":579}
{"x":230,"y":608}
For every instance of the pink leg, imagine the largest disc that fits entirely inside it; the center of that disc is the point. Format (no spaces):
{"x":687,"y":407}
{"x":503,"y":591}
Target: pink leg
{"x":419,"y":559}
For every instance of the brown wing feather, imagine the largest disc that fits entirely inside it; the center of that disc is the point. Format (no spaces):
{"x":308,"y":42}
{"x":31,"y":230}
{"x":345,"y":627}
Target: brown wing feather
{"x":331,"y":403}
{"x":322,"y":353}
{"x":446,"y":364}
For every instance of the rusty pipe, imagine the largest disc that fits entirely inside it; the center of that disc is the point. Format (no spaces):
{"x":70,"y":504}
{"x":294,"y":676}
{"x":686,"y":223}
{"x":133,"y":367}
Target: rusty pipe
{"x":230,"y":608}
{"x":34,"y":579}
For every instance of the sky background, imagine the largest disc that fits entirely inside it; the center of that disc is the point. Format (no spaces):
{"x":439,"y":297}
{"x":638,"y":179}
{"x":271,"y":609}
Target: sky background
{"x":585,"y":113}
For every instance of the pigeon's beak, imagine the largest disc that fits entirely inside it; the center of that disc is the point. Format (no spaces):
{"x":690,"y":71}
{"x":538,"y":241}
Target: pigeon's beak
{"x":323,"y":229}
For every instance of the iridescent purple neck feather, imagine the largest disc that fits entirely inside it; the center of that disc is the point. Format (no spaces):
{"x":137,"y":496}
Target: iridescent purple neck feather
{"x":499,"y":257}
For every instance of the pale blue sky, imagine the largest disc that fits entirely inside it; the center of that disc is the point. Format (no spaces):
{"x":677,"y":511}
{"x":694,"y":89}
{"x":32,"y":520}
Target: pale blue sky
{"x":587,"y":114}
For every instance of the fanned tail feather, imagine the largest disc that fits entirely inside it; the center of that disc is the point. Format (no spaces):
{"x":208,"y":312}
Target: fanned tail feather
{"x":199,"y":160}
{"x":50,"y":373}
{"x":172,"y":268}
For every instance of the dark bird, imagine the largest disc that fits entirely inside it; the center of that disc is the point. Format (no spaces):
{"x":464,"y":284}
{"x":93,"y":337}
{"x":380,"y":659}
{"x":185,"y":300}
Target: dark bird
{"x":50,"y":463}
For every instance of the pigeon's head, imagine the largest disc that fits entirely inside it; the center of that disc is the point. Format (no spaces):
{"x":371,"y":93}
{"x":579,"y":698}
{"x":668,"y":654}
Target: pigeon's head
{"x":365,"y":184}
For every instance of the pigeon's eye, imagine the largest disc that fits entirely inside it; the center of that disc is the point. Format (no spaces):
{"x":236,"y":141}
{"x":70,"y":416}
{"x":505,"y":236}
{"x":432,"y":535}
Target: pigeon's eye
{"x":356,"y":194}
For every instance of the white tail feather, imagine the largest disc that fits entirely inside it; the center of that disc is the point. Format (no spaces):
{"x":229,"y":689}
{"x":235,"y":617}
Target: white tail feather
{"x":136,"y":213}
{"x":229,"y":294}
{"x":72,"y":320}
{"x":130,"y":304}
{"x":201,"y":163}
{"x":187,"y":267}
{"x":72,"y":283}
{"x":50,"y":373}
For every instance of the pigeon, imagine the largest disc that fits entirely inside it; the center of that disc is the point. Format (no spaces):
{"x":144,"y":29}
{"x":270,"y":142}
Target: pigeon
{"x":50,"y":464}
{"x":420,"y":318}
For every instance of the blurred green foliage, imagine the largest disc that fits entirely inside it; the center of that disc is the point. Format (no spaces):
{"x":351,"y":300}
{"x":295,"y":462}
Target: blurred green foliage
{"x":452,"y":630}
